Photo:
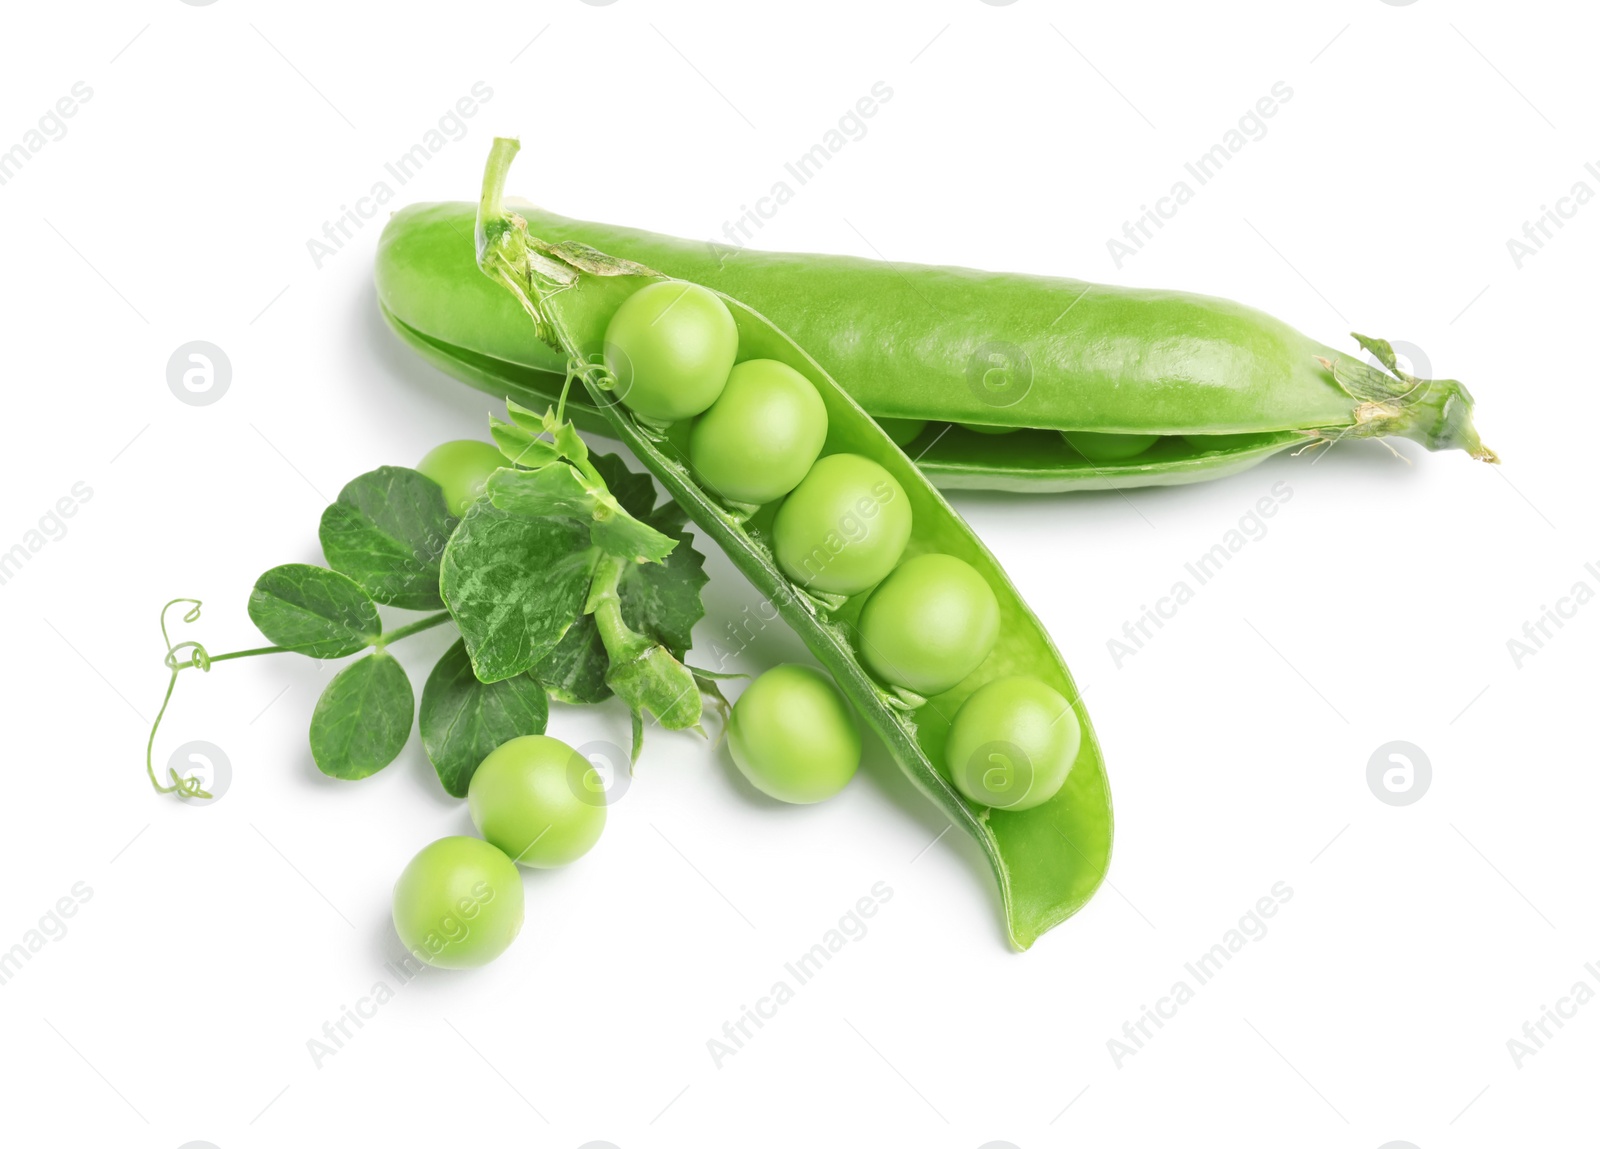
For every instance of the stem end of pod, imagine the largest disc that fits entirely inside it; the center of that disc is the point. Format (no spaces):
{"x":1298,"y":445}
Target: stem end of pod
{"x":1434,"y":412}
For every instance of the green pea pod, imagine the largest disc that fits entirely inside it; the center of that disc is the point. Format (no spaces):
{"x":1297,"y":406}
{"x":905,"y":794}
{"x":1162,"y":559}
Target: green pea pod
{"x":1048,"y":860}
{"x":956,"y":346}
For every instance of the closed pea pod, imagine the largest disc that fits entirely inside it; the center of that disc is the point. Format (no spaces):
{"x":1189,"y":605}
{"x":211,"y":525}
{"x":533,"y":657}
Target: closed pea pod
{"x":1047,"y":860}
{"x":955,"y":345}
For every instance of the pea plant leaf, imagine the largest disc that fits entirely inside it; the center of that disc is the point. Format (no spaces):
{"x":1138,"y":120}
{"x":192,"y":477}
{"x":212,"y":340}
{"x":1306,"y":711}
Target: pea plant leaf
{"x":658,"y":600}
{"x":556,"y":477}
{"x":363,"y":718}
{"x":387,"y":531}
{"x":463,"y":719}
{"x":514,"y":585}
{"x":635,"y":491}
{"x":556,"y":489}
{"x":314,"y":611}
{"x":562,"y":489}
{"x":575,"y":671}
{"x":522,"y":447}
{"x":663,"y":599}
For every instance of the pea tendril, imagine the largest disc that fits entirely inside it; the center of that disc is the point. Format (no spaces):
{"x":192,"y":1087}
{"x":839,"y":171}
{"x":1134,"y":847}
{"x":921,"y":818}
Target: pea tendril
{"x":192,"y":655}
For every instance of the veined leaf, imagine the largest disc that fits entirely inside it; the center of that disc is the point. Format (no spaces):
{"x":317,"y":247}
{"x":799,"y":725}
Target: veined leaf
{"x":562,"y":489}
{"x":514,"y":586}
{"x":386,"y":532}
{"x":363,"y":718}
{"x":463,"y":719}
{"x":575,"y":671}
{"x":314,"y":611}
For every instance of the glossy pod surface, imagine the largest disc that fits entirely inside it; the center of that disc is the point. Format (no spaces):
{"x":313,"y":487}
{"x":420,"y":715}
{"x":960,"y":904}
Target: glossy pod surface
{"x":948,"y":344}
{"x":1047,"y":860}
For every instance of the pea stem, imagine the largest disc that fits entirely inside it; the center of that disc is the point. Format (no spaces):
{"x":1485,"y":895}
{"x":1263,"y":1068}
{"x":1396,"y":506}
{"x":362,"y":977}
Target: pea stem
{"x":400,"y":632}
{"x":201,"y":659}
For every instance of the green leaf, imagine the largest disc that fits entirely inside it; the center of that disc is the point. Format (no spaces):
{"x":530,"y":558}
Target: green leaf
{"x":363,"y":718}
{"x":634,"y":491}
{"x":514,"y":586}
{"x":314,"y":611}
{"x":557,"y":489}
{"x":521,"y":446}
{"x":387,"y":532}
{"x":561,"y":489}
{"x":531,"y":421}
{"x":575,"y":671}
{"x":663,"y":599}
{"x":463,"y":719}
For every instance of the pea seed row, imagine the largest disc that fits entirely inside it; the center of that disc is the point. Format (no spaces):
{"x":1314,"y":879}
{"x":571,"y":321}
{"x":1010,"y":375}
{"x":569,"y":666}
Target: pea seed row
{"x":927,"y":623}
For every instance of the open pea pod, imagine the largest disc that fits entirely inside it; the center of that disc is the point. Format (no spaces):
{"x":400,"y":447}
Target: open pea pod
{"x":1222,"y":385}
{"x":1048,"y":860}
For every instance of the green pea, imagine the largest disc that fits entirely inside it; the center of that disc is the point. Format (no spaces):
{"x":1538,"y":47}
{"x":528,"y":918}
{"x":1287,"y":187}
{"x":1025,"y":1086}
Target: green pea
{"x":458,"y":903}
{"x":1012,"y":744}
{"x":461,"y":467}
{"x":670,"y":347}
{"x":844,"y":527}
{"x":793,"y":736}
{"x":929,"y":624}
{"x":1101,"y":447}
{"x":902,"y":431}
{"x":762,"y":434}
{"x":539,"y":800}
{"x":987,"y":429}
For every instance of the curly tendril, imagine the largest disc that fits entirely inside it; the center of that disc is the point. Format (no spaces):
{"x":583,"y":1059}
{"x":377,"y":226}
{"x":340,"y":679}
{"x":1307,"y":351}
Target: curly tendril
{"x":181,"y":656}
{"x":185,"y":787}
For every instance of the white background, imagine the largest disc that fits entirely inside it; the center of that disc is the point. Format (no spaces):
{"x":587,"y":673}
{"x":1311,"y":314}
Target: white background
{"x":217,"y":941}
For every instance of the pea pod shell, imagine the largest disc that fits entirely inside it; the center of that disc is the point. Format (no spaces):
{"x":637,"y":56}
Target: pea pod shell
{"x":958,"y":345}
{"x":1047,"y":861}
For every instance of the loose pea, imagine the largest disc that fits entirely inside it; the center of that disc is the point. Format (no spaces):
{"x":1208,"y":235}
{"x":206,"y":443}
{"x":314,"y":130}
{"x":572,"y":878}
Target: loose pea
{"x":762,"y":434}
{"x":844,"y":527}
{"x":539,"y":800}
{"x":929,"y":624}
{"x":1012,"y":744}
{"x":670,"y":347}
{"x":461,"y":467}
{"x":458,"y":903}
{"x":1101,"y":447}
{"x":902,"y":431}
{"x":793,"y":736}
